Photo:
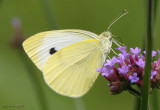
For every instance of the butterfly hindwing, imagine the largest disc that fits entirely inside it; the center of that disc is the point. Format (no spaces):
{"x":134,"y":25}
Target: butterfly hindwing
{"x":43,"y":45}
{"x":72,"y":70}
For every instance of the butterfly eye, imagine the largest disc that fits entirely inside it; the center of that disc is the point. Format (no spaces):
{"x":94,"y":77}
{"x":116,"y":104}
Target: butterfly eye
{"x":52,"y":51}
{"x":107,"y":34}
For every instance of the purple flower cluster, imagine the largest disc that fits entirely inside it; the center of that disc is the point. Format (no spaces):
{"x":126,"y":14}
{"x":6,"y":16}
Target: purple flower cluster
{"x":128,"y":69}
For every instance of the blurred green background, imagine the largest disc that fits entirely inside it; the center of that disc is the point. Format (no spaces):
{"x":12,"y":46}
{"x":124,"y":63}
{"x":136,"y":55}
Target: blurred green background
{"x":22,"y":84}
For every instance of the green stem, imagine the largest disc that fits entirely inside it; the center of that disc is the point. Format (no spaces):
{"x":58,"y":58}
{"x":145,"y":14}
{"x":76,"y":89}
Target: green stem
{"x":138,"y":101}
{"x":154,"y":99}
{"x":137,"y":104}
{"x":79,"y":104}
{"x":49,"y":13}
{"x":155,"y":7}
{"x":147,"y":71}
{"x":135,"y":92}
{"x":34,"y":78}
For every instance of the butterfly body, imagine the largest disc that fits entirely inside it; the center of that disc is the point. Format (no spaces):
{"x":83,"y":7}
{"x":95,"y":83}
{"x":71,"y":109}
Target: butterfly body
{"x":106,"y":40}
{"x":69,"y":58}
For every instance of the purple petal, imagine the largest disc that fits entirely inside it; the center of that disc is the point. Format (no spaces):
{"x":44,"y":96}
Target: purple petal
{"x":123,"y":70}
{"x":159,"y":53}
{"x":144,"y":52}
{"x":105,"y":74}
{"x":101,"y":70}
{"x":153,"y":74}
{"x":112,"y":87}
{"x":120,"y":60}
{"x":123,"y":55}
{"x":114,"y":60}
{"x":132,"y":81}
{"x":111,"y":62}
{"x":130,"y":77}
{"x":140,"y":63}
{"x":122,"y":49}
{"x":105,"y":71}
{"x":134,"y":74}
{"x":142,"y":56}
{"x":153,"y":53}
{"x":134,"y":78}
{"x":135,"y":51}
{"x":108,"y":62}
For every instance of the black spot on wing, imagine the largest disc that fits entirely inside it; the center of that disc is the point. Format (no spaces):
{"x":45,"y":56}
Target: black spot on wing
{"x":52,"y":51}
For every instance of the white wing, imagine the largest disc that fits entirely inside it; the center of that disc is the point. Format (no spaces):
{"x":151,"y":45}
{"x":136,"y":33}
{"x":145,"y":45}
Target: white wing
{"x":72,"y":70}
{"x":41,"y":46}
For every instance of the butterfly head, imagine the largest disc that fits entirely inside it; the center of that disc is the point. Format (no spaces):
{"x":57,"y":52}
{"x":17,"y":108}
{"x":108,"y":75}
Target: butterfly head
{"x":106,"y":35}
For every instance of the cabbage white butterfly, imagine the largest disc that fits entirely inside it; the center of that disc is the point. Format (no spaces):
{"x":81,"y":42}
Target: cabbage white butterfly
{"x":69,"y":58}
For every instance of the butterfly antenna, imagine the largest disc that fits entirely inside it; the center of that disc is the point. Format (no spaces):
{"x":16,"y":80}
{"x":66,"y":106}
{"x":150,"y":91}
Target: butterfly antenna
{"x":124,"y":12}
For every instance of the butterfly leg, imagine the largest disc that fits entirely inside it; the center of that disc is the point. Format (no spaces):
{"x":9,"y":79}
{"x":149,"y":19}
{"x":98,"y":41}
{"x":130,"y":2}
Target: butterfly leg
{"x":116,"y":42}
{"x":109,"y":57}
{"x":114,"y":52}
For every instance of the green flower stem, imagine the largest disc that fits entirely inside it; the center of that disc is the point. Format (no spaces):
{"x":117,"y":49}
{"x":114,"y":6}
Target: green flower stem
{"x":49,"y":13}
{"x":34,"y":78}
{"x":135,"y":92}
{"x":79,"y":104}
{"x":154,"y":99}
{"x":137,"y":104}
{"x":147,"y":71}
{"x":155,"y":7}
{"x":1,"y":1}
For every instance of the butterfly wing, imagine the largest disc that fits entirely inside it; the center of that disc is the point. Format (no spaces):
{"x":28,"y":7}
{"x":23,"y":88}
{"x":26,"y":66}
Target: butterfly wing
{"x":41,"y":46}
{"x":72,"y":70}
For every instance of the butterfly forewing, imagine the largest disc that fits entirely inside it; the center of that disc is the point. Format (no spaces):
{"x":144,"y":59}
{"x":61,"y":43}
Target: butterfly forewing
{"x":72,"y":70}
{"x":43,"y":45}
